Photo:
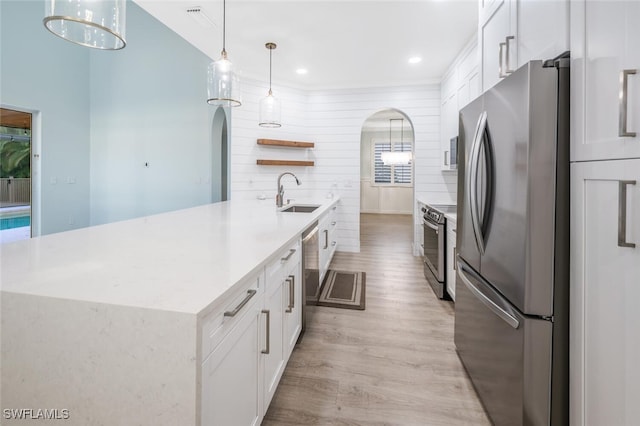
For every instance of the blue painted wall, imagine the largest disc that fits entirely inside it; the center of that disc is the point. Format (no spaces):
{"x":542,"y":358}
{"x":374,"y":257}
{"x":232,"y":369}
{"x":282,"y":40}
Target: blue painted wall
{"x":105,"y":114}
{"x":150,"y":124}
{"x":43,"y":73}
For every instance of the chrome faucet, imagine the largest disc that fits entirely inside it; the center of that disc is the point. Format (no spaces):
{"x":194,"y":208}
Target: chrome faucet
{"x":280,"y":195}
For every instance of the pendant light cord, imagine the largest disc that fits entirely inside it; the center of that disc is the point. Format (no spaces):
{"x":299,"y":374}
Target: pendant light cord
{"x":402,"y":135}
{"x":224,"y":27}
{"x":270,"y":53}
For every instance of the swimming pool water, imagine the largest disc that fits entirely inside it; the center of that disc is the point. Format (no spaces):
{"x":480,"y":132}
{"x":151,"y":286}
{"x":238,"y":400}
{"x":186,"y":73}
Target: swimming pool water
{"x":15,"y":222}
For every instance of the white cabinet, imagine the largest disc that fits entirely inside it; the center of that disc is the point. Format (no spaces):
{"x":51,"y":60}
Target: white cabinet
{"x":451,"y":258}
{"x":284,"y":324}
{"x":273,"y":348}
{"x":460,"y":85}
{"x":247,"y":342}
{"x":605,"y":290}
{"x":497,"y":40}
{"x":605,"y":42}
{"x":328,"y":227}
{"x":418,"y":230}
{"x":231,"y":370}
{"x":514,"y":32}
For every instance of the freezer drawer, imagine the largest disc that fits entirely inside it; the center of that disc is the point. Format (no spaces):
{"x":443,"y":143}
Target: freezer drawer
{"x":507,"y":355}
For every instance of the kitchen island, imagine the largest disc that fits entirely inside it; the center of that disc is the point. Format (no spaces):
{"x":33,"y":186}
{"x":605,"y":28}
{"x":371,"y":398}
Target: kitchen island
{"x":104,"y":325}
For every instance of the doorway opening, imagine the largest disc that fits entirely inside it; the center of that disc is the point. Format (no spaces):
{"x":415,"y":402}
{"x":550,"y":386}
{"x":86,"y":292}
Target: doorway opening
{"x":386,"y":163}
{"x":220,"y":157}
{"x":15,"y":175}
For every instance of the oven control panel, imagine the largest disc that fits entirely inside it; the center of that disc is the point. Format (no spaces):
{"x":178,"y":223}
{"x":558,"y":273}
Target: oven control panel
{"x":434,"y":216}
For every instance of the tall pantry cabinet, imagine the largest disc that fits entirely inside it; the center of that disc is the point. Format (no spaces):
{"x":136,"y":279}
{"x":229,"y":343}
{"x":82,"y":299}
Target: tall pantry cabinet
{"x":605,"y":225}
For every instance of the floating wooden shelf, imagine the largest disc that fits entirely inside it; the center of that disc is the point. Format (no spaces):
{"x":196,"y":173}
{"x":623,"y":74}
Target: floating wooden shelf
{"x":284,"y":163}
{"x":289,"y":144}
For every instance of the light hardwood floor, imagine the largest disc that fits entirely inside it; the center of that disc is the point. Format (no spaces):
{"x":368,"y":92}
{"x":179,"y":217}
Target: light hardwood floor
{"x":391,"y":364}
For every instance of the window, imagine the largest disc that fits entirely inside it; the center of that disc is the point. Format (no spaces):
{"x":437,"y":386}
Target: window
{"x":387,"y":174}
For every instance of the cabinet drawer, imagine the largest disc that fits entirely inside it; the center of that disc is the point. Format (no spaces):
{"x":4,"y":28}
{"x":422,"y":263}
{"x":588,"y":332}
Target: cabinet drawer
{"x":218,"y":324}
{"x":281,"y":265}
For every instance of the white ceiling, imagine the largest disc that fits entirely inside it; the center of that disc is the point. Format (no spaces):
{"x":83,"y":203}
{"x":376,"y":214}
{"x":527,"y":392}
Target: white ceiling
{"x":349,"y":44}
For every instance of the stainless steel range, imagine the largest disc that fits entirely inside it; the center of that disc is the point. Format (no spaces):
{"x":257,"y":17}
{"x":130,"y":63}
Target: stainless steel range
{"x":434,"y":224}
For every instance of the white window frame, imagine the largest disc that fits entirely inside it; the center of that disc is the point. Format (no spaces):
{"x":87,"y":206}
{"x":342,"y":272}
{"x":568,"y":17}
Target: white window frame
{"x":374,"y":142}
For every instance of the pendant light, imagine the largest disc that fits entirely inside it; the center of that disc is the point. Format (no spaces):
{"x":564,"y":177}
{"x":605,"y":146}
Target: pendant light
{"x":96,"y":24}
{"x":223,"y":85}
{"x":396,"y":158}
{"x":270,"y":106}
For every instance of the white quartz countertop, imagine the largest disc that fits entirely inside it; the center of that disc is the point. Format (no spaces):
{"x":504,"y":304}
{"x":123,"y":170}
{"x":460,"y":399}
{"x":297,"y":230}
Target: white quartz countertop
{"x":179,"y":261}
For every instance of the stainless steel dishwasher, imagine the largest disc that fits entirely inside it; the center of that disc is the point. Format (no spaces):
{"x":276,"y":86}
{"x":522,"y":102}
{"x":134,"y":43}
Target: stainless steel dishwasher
{"x":310,"y":274}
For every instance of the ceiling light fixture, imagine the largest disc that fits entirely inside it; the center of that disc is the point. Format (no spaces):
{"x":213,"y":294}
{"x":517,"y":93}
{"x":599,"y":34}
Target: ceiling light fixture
{"x":96,"y":24}
{"x":270,"y":106}
{"x":223,"y":85}
{"x":396,"y":158}
{"x":415,"y":60}
{"x":302,"y":71}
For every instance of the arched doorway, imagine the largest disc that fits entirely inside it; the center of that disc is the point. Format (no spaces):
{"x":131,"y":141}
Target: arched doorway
{"x":386,"y":163}
{"x":220,"y":157}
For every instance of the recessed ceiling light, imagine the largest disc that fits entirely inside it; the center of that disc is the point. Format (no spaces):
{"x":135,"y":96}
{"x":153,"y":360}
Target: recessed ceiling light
{"x":302,"y":71}
{"x":415,"y":59}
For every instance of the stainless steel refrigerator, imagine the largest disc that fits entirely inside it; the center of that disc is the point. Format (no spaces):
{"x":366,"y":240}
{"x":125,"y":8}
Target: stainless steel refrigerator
{"x":512,"y":301}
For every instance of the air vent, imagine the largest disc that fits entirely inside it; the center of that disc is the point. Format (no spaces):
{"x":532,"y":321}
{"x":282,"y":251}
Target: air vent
{"x":198,"y":15}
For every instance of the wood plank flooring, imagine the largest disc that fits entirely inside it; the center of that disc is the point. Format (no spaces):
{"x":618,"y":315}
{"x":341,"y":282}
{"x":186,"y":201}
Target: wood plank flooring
{"x":391,"y":364}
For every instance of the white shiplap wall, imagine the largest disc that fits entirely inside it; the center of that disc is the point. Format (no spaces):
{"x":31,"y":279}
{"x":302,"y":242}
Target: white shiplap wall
{"x":332,"y":119}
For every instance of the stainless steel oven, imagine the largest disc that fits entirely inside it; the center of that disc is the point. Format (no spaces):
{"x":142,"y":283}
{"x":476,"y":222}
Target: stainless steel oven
{"x":434,"y":225}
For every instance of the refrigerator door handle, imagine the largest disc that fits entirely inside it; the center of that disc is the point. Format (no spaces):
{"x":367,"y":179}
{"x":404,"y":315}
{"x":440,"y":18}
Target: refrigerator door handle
{"x":472,"y":183}
{"x":498,"y":310}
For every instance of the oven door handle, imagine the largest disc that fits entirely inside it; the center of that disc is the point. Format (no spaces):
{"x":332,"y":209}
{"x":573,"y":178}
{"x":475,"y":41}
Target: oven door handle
{"x":430,"y":225}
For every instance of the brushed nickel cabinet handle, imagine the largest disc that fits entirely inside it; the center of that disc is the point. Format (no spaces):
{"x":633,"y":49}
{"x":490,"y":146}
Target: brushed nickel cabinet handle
{"x":622,"y":213}
{"x":622,"y":106}
{"x":287,"y":257}
{"x":508,"y":70}
{"x":326,"y":238}
{"x":250,"y":294}
{"x":292,"y":293}
{"x":501,"y":74}
{"x":268,"y":343}
{"x":446,"y":154}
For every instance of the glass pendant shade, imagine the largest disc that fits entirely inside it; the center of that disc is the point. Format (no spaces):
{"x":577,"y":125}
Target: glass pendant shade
{"x":270,"y":111}
{"x":90,"y":23}
{"x":223,"y":86}
{"x":396,"y":158}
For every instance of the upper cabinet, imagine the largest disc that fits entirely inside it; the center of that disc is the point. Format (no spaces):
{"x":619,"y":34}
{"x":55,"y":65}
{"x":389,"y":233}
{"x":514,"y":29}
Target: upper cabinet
{"x":514,"y":32}
{"x":459,"y":86}
{"x":605,"y":80}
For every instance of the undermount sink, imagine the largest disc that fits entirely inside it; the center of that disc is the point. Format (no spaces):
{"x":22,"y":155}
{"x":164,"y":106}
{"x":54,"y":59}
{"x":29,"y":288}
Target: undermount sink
{"x":300,"y":209}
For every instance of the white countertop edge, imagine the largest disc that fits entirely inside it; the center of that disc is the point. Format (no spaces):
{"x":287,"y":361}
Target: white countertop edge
{"x":37,"y":249}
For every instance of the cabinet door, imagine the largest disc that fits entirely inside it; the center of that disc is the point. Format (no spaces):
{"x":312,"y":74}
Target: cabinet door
{"x":605,"y":290}
{"x":449,"y":129}
{"x":451,"y":259}
{"x":543,"y":29}
{"x":324,"y":244}
{"x":272,"y":349}
{"x":292,"y":309}
{"x":333,"y":232}
{"x":230,"y":385}
{"x":493,"y":33}
{"x":605,"y":41}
